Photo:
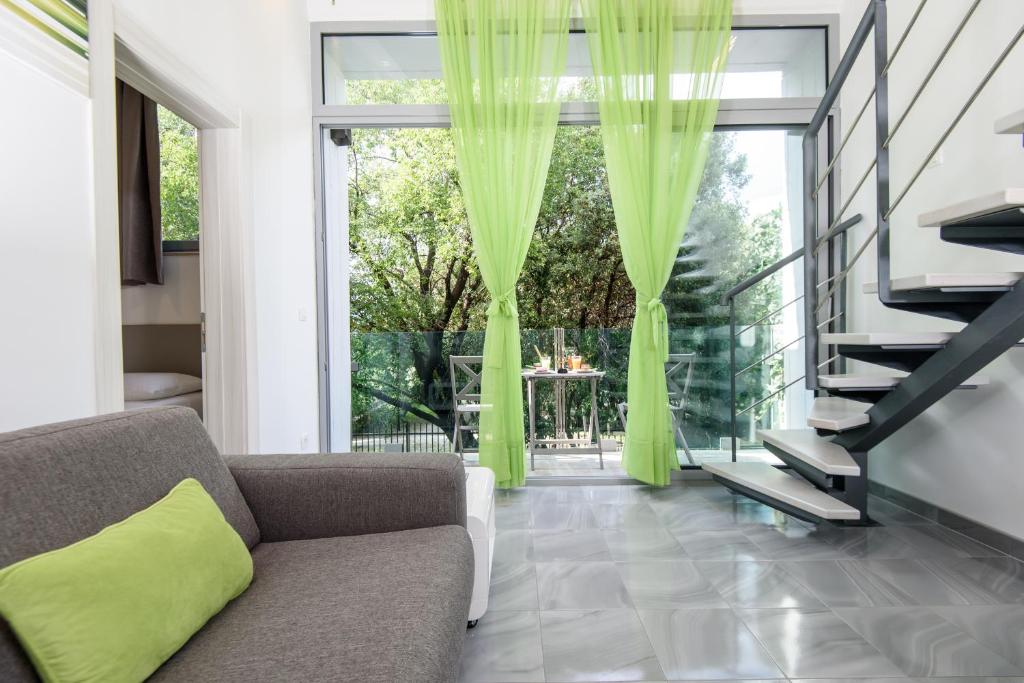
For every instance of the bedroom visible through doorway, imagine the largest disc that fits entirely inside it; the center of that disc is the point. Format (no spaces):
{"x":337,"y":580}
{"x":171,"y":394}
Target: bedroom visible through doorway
{"x":162,"y":319}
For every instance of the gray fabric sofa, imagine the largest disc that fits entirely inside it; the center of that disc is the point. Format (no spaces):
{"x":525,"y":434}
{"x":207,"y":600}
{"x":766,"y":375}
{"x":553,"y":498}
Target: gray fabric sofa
{"x":363,"y":567}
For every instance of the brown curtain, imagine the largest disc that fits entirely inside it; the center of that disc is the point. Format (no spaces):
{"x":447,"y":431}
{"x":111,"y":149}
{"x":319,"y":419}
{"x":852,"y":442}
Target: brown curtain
{"x":138,"y":184}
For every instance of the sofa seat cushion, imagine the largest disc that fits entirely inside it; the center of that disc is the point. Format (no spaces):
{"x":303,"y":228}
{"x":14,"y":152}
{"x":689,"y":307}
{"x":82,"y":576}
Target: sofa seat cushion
{"x":379,"y":607}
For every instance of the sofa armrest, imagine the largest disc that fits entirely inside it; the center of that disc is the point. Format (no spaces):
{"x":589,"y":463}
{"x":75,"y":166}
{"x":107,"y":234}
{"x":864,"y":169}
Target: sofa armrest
{"x":295,"y":497}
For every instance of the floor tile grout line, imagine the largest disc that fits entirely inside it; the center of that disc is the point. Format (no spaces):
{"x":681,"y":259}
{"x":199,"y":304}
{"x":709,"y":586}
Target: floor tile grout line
{"x":759,"y":641}
{"x":650,"y":641}
{"x":1017,"y":663}
{"x":926,"y":562}
{"x":848,"y":559}
{"x":540,"y":634}
{"x":963,"y":632}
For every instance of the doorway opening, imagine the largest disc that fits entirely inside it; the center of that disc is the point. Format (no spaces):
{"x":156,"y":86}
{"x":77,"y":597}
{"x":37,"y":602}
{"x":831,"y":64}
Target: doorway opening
{"x":413,"y":311}
{"x":161,"y":308}
{"x":398,"y":307}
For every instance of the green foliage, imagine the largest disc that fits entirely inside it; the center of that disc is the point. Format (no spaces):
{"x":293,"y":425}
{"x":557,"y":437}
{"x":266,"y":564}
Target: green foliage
{"x":413,"y":273}
{"x":179,"y":177}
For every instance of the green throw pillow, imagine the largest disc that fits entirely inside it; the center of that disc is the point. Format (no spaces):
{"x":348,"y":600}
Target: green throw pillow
{"x":115,"y":606}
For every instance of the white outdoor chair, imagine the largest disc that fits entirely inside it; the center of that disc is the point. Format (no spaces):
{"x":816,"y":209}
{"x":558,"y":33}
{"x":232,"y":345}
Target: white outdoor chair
{"x":678,"y":364}
{"x":464,"y":372}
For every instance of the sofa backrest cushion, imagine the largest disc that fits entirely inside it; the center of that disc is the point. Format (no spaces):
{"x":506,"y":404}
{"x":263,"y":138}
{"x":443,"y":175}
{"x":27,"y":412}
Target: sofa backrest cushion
{"x":62,"y":482}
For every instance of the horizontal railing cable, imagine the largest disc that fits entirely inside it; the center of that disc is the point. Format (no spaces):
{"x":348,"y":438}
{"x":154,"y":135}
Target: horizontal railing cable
{"x":931,"y":72}
{"x":773,"y":353}
{"x":842,"y":145}
{"x":786,"y":260}
{"x":963,"y":111}
{"x":781,"y":389}
{"x":773,"y":313}
{"x":853,"y":194}
{"x":903,"y":38}
{"x":826,"y":362}
{"x":770,"y":396}
{"x":867,"y":101}
{"x":842,"y":275}
{"x":837,"y":316}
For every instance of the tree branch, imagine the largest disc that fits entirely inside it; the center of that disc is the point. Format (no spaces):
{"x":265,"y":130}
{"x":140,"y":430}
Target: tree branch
{"x":403,"y":405}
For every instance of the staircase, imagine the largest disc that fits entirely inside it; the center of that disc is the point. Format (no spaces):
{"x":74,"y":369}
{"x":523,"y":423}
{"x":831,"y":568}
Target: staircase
{"x":854,"y":412}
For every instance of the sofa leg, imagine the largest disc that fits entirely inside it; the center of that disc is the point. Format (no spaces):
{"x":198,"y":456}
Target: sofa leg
{"x":472,"y":624}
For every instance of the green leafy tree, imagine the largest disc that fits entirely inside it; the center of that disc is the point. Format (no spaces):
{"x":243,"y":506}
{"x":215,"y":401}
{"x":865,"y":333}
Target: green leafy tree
{"x":179,"y":177}
{"x":413,"y":272}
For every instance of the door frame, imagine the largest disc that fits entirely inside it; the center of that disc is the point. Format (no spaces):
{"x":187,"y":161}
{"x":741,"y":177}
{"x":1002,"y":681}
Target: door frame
{"x":120,"y":48}
{"x":335,"y":365}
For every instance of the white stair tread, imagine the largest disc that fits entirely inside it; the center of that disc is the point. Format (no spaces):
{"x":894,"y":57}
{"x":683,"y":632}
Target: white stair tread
{"x":949,"y":281}
{"x":1009,"y":198}
{"x":887,"y":338}
{"x":880,"y":381}
{"x":816,"y":451}
{"x":1011,"y":123}
{"x":774,"y":483}
{"x":837,"y":414}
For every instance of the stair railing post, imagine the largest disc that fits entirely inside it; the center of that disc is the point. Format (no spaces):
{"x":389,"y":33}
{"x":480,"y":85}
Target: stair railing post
{"x":882,"y":149}
{"x":810,"y":182}
{"x":810,"y":172}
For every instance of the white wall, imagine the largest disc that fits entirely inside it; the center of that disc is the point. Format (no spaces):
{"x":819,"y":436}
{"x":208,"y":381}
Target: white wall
{"x":175,"y":302}
{"x":46,"y":270}
{"x":257,"y":55}
{"x":965,"y":453}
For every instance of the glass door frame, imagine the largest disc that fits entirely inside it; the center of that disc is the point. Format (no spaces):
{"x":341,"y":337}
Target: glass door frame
{"x":334,"y":351}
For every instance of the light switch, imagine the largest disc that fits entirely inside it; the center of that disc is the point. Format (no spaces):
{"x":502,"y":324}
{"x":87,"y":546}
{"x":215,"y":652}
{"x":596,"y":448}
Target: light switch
{"x":303,"y":314}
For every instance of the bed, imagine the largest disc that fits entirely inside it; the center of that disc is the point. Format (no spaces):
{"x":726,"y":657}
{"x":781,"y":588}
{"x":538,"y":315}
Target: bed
{"x":153,"y":389}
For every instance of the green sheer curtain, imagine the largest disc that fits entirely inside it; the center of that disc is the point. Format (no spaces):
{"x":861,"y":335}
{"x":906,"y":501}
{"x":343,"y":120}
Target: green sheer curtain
{"x":658,"y":65}
{"x":502,"y":60}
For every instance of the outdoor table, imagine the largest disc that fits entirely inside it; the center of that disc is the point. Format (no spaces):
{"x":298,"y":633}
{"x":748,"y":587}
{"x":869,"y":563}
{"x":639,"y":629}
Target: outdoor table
{"x":561,"y":440}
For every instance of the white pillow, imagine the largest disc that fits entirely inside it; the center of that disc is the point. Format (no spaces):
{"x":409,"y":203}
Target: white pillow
{"x":147,"y":386}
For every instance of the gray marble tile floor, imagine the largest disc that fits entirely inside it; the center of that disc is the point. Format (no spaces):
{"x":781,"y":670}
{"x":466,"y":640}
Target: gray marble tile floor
{"x":694,"y":583}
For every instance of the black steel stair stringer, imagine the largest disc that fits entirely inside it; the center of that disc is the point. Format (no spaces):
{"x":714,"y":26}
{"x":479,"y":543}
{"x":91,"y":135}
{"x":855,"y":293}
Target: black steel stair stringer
{"x":996,"y":330}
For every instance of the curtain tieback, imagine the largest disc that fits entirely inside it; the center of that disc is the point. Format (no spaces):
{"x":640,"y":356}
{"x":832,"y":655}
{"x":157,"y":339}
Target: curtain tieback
{"x":504,"y":305}
{"x":659,"y":326}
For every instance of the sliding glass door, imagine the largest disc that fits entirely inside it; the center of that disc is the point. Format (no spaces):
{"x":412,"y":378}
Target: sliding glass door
{"x":400,"y":293}
{"x":399,"y":261}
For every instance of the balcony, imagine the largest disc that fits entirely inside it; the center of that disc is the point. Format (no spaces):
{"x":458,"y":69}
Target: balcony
{"x":402,"y":393}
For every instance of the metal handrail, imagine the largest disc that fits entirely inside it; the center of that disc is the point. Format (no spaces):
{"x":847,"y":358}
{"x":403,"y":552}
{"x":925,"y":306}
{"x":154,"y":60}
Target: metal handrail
{"x":873,"y":21}
{"x":838,"y":230}
{"x":865,"y":27}
{"x":786,"y":260}
{"x":849,"y":131}
{"x":761,"y":275}
{"x":729,"y":298}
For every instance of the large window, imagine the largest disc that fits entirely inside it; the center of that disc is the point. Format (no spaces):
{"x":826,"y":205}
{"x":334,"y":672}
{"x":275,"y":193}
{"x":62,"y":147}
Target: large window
{"x":416,"y":296}
{"x":179,"y":179}
{"x":406,"y":69}
{"x":400,"y":291}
